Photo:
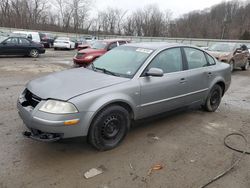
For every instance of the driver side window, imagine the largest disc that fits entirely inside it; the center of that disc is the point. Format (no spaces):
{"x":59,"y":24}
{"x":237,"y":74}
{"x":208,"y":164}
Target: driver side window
{"x":169,"y":61}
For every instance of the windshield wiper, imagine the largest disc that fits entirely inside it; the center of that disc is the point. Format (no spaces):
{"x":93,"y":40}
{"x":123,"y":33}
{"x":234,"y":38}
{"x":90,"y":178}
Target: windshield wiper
{"x":103,"y":70}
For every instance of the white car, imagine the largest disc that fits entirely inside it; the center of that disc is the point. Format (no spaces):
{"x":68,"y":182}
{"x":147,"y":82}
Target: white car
{"x":34,"y":36}
{"x":64,"y":43}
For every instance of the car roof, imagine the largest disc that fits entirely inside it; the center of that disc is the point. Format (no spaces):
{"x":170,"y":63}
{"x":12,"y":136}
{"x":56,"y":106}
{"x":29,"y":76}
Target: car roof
{"x":114,"y":40}
{"x":157,"y":45}
{"x":16,"y":36}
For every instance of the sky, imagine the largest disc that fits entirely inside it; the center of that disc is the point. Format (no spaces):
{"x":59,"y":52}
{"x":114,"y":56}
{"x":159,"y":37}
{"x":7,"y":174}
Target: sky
{"x":177,"y":7}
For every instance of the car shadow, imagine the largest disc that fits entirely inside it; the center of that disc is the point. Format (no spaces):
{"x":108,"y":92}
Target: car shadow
{"x":13,"y":56}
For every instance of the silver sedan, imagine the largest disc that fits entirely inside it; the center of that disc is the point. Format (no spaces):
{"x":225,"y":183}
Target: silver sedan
{"x":131,"y":82}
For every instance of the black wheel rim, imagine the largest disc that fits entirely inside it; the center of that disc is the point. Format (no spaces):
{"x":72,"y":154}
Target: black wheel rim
{"x":111,"y":128}
{"x":215,"y":98}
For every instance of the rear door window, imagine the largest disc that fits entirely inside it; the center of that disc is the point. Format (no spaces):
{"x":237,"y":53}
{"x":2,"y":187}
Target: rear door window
{"x":195,"y":58}
{"x":122,"y":42}
{"x":23,"y":41}
{"x":113,"y":45}
{"x":211,"y":60}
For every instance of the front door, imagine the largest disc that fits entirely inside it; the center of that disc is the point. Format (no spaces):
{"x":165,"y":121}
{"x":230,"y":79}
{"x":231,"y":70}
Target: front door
{"x":160,"y":94}
{"x":10,"y":46}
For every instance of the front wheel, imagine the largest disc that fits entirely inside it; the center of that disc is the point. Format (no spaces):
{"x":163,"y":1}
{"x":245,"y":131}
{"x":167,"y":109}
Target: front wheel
{"x":109,"y":128}
{"x":246,"y":66}
{"x":214,"y":99}
{"x":34,"y":53}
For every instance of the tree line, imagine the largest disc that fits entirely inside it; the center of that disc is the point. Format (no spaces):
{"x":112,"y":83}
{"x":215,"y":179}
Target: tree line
{"x":227,"y":20}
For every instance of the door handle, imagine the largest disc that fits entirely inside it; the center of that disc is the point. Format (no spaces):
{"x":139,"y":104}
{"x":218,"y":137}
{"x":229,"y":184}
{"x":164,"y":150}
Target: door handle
{"x":209,"y":74}
{"x":183,"y":80}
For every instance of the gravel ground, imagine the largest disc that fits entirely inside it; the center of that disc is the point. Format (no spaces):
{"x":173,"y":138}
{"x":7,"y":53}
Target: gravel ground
{"x":188,"y":143}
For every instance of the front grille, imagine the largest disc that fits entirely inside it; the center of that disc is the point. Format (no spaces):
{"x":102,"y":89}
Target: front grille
{"x":31,"y":99}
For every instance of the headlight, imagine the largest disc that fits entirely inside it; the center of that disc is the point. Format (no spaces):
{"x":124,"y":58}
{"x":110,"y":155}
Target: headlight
{"x":58,"y":107}
{"x":89,"y":57}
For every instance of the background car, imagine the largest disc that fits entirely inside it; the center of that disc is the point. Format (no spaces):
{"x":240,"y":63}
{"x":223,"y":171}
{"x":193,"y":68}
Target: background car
{"x":248,"y":46}
{"x":131,"y":82}
{"x":232,"y":53}
{"x":34,"y":36}
{"x":97,"y":49}
{"x":64,"y":43}
{"x":47,"y":39}
{"x":20,"y":46}
{"x":82,"y":44}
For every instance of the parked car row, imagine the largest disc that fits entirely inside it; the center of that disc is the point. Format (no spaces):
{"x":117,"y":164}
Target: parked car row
{"x":89,"y":49}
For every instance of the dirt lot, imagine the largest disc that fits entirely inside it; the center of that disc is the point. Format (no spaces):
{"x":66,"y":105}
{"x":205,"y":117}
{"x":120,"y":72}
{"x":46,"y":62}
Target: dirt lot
{"x":190,"y":144}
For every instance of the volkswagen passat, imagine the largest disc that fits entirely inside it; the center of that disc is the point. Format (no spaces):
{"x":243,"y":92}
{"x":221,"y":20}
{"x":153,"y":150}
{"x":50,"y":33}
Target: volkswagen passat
{"x":131,"y":82}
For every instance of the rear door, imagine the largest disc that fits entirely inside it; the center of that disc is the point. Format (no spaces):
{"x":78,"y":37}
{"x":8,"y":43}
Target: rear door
{"x":24,"y":46}
{"x":160,"y":94}
{"x":199,"y":75}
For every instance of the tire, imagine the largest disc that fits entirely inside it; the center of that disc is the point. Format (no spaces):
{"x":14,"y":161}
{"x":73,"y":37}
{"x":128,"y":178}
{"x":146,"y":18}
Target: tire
{"x":34,"y":53}
{"x":109,"y":128}
{"x":246,"y":66}
{"x":55,"y":49}
{"x":214,"y":99}
{"x":232,"y":66}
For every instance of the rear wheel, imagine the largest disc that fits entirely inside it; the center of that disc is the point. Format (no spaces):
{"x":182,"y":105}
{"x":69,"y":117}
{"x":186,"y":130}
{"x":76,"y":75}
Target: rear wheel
{"x":109,"y":128}
{"x":34,"y":53}
{"x":214,"y":99}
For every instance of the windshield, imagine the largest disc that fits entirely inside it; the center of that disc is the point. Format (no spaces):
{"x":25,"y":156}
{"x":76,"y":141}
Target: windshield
{"x":99,"y":45}
{"x":222,"y":47}
{"x":123,"y":61}
{"x":2,"y":38}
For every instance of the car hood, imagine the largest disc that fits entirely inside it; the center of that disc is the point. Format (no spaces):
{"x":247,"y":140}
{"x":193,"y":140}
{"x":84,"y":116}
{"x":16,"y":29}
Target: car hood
{"x":91,"y":50}
{"x":219,"y":54}
{"x":71,"y":83}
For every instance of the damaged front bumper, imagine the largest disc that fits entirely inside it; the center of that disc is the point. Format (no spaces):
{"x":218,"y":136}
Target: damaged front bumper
{"x":42,"y":136}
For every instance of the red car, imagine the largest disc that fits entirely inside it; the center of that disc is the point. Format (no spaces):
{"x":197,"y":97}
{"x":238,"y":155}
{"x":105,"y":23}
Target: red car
{"x":87,"y":56}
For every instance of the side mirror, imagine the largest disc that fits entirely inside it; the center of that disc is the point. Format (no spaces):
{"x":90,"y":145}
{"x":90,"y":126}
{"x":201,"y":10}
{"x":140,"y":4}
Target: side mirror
{"x":155,"y":72}
{"x":238,"y":50}
{"x":4,"y":43}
